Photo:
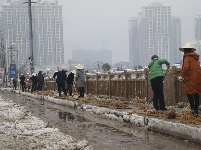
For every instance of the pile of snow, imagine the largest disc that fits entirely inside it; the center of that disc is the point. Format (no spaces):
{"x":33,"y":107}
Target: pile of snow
{"x":177,"y":65}
{"x":21,"y":130}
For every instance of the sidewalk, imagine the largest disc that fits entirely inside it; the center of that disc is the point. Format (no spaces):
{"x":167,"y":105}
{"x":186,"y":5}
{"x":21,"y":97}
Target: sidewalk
{"x":174,"y":127}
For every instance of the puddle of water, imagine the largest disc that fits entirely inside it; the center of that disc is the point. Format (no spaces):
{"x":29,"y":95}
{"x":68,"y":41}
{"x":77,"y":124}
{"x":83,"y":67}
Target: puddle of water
{"x":66,"y":115}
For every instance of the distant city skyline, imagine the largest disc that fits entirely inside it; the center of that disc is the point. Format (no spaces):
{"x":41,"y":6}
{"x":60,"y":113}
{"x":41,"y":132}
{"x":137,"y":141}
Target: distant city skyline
{"x":90,"y":57}
{"x":90,"y":23}
{"x":47,"y":32}
{"x":154,"y":32}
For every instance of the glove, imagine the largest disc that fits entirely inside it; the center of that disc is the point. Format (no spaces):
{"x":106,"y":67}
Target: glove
{"x":168,"y":66}
{"x":180,"y":78}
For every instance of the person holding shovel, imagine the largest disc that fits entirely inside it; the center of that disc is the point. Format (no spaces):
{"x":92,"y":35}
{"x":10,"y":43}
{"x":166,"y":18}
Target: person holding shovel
{"x":191,"y":74}
{"x":156,"y":78}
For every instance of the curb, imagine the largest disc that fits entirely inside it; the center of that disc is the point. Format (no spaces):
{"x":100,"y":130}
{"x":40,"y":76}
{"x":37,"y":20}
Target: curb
{"x":179,"y":130}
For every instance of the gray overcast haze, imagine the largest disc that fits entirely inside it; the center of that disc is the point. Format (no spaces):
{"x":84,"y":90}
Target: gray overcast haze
{"x":90,"y":23}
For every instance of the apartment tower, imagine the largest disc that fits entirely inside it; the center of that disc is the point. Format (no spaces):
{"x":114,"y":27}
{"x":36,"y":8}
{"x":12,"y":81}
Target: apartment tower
{"x":155,"y":31}
{"x":133,"y":58}
{"x":47,"y":26}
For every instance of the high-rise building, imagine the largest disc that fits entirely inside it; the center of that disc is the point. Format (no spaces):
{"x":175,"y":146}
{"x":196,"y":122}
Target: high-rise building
{"x":196,"y":43}
{"x":176,"y":40}
{"x":47,"y":27}
{"x":197,"y":27}
{"x":133,"y":58}
{"x":2,"y":50}
{"x":155,"y":28}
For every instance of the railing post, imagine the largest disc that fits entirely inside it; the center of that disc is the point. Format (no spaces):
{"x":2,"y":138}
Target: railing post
{"x":126,"y":84}
{"x":54,"y":84}
{"x":7,"y":82}
{"x":97,"y":84}
{"x":174,"y":75}
{"x":49,"y":85}
{"x":86,"y":84}
{"x":149,"y":92}
{"x":46,"y":84}
{"x":109,"y":84}
{"x":170,"y":87}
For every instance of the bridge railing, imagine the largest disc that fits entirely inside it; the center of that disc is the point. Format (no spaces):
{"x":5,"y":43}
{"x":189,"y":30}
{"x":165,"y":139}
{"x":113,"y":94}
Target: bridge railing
{"x":122,"y":84}
{"x":135,"y":84}
{"x":129,"y":85}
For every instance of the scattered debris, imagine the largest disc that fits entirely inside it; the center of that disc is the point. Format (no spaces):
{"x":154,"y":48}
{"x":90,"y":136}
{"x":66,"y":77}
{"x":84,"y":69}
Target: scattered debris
{"x":179,"y":112}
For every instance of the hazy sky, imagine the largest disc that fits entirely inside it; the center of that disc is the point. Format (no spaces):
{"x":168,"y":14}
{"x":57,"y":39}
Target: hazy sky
{"x":97,"y":24}
{"x":89,"y":23}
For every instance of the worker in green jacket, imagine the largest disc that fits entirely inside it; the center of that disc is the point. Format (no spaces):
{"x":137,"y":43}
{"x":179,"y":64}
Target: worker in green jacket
{"x":156,"y":78}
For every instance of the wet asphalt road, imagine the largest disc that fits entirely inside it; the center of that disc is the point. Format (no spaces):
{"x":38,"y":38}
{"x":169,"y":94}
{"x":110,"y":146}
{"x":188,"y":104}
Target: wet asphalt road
{"x":103,"y":134}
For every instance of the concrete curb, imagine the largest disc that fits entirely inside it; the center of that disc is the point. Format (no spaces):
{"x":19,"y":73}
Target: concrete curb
{"x":179,"y":130}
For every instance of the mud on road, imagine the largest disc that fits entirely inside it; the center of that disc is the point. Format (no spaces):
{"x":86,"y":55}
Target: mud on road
{"x":101,"y":133}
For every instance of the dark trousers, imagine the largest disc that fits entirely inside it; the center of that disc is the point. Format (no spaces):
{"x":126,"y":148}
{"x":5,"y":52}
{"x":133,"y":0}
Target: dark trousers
{"x":81,"y":91}
{"x":40,"y":86}
{"x":157,"y":87}
{"x":23,"y":86}
{"x":34,"y":87}
{"x":193,"y":101}
{"x":15,"y":86}
{"x":61,"y":86}
{"x":69,"y":89}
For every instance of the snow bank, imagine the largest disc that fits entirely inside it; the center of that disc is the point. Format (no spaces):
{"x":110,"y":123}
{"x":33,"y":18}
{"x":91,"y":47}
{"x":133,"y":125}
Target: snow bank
{"x":19,"y":129}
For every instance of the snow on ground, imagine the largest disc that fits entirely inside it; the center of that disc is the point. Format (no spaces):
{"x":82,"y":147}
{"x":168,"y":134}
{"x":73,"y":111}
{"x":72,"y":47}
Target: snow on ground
{"x":19,"y":129}
{"x":168,"y":126}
